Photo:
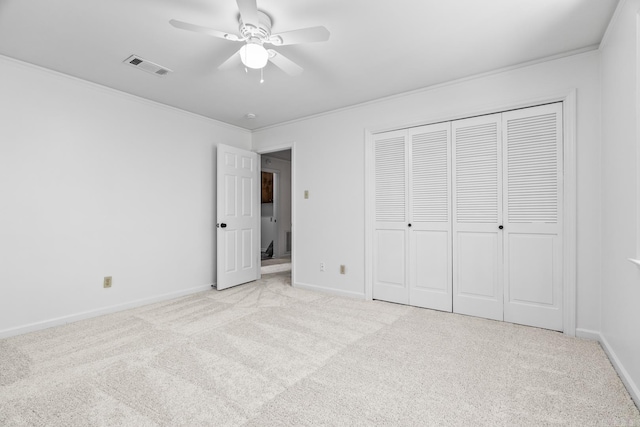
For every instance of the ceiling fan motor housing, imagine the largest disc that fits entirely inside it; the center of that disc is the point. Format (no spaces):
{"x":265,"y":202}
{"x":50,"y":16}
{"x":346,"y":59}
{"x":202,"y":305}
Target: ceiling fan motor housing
{"x":259,"y":34}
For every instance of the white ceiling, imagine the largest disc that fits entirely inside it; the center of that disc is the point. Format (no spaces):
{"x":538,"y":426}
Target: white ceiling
{"x":377,"y":47}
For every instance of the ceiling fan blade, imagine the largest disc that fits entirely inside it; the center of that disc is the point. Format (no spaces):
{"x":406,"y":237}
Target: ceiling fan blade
{"x":304,"y":35}
{"x":284,"y":63}
{"x":204,"y":30}
{"x":249,"y":12}
{"x":233,"y":61}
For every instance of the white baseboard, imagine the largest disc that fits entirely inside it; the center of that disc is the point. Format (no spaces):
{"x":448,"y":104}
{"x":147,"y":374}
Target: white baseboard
{"x":628,"y":382}
{"x":332,"y":291}
{"x":36,"y":326}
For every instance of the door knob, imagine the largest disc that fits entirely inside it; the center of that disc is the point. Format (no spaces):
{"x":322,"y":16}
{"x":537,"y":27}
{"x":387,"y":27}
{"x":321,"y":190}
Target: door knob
{"x":223,"y":225}
{"x":409,"y":225}
{"x":500,"y":227}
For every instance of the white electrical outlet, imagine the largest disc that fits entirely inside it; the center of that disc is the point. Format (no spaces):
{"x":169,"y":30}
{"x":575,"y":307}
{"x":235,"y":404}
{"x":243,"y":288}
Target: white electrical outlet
{"x":322,"y":266}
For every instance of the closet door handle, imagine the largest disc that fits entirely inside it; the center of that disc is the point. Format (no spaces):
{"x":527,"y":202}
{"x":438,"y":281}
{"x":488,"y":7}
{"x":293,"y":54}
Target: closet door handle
{"x":500,"y":227}
{"x":409,"y":225}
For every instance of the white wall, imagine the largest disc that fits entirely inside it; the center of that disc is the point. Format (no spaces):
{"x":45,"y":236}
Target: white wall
{"x":329,"y":162}
{"x":97,"y":183}
{"x":283,"y":167}
{"x":620,"y":214}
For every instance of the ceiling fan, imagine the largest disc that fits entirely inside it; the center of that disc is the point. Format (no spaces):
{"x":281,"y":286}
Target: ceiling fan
{"x":255,"y":32}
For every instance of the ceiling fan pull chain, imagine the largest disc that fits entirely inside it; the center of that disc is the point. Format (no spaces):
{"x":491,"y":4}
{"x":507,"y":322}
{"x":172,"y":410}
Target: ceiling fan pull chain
{"x":261,"y":75}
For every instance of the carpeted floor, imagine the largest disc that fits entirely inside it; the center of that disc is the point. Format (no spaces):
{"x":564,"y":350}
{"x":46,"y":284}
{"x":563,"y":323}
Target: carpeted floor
{"x":276,"y":268}
{"x":275,"y":265}
{"x":266,"y":354}
{"x":275,"y":261}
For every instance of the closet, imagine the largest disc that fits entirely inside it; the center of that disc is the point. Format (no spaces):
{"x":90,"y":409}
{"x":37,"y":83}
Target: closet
{"x":468,"y":216}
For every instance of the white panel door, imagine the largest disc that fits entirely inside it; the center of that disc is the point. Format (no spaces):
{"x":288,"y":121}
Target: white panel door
{"x":390,"y":242}
{"x":238,"y":216}
{"x":532,"y":146}
{"x":477,"y":216}
{"x":430,"y":280}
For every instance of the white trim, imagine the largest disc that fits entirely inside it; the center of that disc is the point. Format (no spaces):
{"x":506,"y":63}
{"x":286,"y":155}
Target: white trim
{"x":330,"y":291}
{"x":122,"y":94}
{"x":100,"y":311}
{"x":294,"y":192}
{"x":569,"y":190}
{"x":612,"y":23}
{"x":569,"y":231}
{"x":369,"y":208}
{"x":593,"y":49}
{"x":628,"y":382}
{"x":635,"y":261}
{"x":637,"y":254}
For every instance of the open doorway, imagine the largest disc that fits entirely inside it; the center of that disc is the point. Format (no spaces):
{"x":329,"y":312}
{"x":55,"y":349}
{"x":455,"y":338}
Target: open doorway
{"x":275,"y":221}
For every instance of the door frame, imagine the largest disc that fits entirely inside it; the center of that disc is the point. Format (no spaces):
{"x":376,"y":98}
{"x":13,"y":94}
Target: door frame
{"x":287,"y":146}
{"x":569,"y":232}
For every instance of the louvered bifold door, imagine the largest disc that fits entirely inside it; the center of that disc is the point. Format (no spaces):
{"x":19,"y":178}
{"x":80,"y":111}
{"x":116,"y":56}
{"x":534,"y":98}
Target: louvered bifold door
{"x":477,"y":215}
{"x":533,"y":218}
{"x":390,"y":242}
{"x":430,"y":279}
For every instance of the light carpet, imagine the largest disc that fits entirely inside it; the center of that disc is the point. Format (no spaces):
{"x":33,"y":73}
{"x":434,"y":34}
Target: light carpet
{"x":266,"y":354}
{"x":275,"y":268}
{"x":273,"y":261}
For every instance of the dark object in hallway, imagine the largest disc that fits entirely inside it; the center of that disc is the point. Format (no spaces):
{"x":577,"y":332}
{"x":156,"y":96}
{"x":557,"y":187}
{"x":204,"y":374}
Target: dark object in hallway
{"x":269,"y":252}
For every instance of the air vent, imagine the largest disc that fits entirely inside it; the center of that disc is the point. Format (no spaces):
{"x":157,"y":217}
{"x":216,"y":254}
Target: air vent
{"x":148,"y":66}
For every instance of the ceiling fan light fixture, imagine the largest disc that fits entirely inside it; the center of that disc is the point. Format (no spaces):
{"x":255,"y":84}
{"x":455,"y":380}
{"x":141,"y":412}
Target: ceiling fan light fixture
{"x":254,"y":55}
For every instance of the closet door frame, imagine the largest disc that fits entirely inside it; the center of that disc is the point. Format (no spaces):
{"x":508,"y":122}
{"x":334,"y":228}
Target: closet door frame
{"x":569,"y":205}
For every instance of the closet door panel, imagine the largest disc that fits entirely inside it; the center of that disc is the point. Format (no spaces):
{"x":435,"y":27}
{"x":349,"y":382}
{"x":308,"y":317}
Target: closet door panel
{"x":533,"y":216}
{"x":431,"y":266}
{"x":430,"y":281}
{"x":390,"y":278}
{"x":479,"y":277}
{"x":430,"y":269}
{"x":390,"y":282}
{"x":530,"y":279}
{"x":477,"y":215}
